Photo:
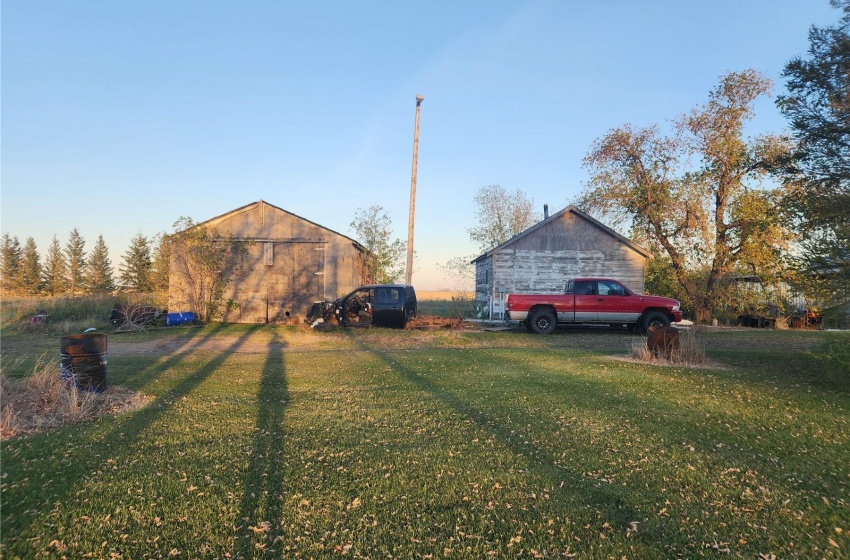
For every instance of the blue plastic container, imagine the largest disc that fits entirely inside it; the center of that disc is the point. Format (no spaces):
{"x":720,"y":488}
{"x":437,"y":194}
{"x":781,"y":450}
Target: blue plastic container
{"x":174,"y":319}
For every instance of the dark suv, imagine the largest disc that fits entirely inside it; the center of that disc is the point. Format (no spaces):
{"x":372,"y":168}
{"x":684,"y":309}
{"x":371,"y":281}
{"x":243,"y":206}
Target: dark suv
{"x":373,"y":305}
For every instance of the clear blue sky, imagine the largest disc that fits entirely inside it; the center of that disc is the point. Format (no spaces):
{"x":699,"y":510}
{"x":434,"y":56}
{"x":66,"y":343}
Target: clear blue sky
{"x":120,"y":117}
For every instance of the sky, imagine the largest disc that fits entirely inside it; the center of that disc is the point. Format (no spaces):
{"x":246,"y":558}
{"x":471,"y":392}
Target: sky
{"x":119,"y":118}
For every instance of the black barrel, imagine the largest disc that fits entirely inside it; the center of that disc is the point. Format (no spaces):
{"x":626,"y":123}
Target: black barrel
{"x":83,"y":358}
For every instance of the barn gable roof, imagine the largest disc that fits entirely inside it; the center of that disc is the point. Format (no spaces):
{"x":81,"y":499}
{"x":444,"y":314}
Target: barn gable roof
{"x":253,"y":205}
{"x":553,"y":217}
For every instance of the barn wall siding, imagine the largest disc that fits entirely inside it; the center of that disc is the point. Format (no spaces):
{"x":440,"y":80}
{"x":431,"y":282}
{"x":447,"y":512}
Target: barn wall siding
{"x":547,"y":271}
{"x":289,"y":263}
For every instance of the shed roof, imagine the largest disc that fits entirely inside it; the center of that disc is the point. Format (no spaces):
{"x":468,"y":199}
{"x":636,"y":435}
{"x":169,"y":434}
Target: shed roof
{"x":635,"y":247}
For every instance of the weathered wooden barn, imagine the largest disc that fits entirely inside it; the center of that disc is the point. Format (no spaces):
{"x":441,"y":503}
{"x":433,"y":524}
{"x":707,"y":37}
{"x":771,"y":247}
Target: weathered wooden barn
{"x":286,"y":263}
{"x":568,"y":244}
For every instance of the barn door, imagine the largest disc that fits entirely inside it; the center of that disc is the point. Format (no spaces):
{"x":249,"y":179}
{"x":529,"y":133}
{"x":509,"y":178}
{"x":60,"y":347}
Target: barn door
{"x":308,"y":276}
{"x":294,"y":281}
{"x":284,"y":280}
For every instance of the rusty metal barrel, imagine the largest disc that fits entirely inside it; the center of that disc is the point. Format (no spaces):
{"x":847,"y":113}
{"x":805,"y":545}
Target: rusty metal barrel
{"x":82,"y":358}
{"x":662,"y":340}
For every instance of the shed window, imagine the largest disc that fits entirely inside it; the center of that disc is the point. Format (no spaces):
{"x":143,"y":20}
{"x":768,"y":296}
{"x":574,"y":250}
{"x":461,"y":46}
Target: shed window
{"x":268,"y":253}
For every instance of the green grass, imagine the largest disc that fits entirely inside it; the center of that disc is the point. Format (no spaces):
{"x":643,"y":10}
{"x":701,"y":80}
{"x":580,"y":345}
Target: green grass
{"x":390,"y":444}
{"x":458,"y":307}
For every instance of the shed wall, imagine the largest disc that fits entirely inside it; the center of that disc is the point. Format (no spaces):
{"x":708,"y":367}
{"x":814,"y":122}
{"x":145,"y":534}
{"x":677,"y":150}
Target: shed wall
{"x":543,"y":260}
{"x":289,"y":263}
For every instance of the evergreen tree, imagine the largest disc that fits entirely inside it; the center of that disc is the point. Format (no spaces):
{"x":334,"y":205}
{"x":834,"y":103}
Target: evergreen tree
{"x":76,"y":260}
{"x":161,"y":264}
{"x":98,"y":279}
{"x":11,"y":254}
{"x":818,"y":107}
{"x":55,"y":270}
{"x":30,"y":272}
{"x":138,"y":265}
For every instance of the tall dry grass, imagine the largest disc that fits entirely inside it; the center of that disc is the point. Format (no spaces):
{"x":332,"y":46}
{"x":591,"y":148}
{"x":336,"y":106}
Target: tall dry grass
{"x":44,"y":401}
{"x":689,"y":352}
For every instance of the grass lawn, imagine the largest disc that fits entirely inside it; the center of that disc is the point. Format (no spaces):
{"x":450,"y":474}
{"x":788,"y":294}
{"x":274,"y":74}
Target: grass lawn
{"x":278,"y":442}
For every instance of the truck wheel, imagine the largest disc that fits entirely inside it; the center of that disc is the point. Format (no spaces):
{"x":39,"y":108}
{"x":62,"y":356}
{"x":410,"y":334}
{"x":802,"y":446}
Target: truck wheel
{"x":542,"y":321}
{"x":654,"y":319}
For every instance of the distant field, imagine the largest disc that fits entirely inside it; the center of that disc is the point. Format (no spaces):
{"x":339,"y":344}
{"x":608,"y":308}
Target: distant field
{"x":445,"y":295}
{"x":446,"y":303}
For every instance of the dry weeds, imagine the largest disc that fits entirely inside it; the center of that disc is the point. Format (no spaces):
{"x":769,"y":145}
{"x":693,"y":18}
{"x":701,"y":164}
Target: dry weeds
{"x":44,"y":401}
{"x":689,"y":352}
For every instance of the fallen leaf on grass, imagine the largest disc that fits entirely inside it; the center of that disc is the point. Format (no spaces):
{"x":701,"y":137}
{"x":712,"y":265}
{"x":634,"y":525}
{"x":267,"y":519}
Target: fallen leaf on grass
{"x":262,"y":527}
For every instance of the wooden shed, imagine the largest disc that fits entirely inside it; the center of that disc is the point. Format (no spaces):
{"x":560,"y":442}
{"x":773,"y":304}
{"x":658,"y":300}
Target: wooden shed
{"x":568,"y":244}
{"x":286,"y":263}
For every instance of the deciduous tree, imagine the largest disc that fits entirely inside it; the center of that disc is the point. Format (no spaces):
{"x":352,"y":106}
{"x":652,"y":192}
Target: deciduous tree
{"x":138,"y":265}
{"x":204,"y":262}
{"x":500,"y":214}
{"x":818,"y":106}
{"x":697,"y":195}
{"x":373,"y":228}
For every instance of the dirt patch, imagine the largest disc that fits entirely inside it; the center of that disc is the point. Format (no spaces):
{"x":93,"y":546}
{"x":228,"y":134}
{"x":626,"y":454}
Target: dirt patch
{"x":435,"y":323}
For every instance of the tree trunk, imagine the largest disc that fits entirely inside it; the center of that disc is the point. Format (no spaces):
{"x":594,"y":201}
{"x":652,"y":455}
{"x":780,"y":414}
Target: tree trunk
{"x":703,"y":314}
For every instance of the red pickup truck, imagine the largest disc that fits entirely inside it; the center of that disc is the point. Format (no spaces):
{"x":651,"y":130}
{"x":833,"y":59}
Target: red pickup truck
{"x":592,"y":300}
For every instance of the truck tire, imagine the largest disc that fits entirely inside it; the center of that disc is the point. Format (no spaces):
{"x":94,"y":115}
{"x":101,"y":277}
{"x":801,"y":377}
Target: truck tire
{"x":542,"y":321}
{"x":654,"y":319}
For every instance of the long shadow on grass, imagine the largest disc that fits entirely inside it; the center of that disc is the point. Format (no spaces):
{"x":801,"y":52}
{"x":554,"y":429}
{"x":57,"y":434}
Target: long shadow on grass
{"x":138,"y":380}
{"x":86,"y":458}
{"x":662,"y":422}
{"x":610,"y":503}
{"x":650,"y":416}
{"x":261,"y":509}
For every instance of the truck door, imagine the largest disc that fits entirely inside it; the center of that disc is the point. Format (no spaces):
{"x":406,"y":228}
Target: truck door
{"x":585,"y":301}
{"x":388,"y":307}
{"x":615,"y":304}
{"x":565,"y":306}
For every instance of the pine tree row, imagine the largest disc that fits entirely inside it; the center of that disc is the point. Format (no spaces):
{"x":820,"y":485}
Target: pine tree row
{"x":71,"y":271}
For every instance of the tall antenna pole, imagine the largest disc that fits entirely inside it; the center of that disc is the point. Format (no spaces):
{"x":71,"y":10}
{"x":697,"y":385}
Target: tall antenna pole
{"x":409,"y":276}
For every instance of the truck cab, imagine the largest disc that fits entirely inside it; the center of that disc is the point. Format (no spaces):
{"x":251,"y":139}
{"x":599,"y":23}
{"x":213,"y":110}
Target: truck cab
{"x":372,"y":305}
